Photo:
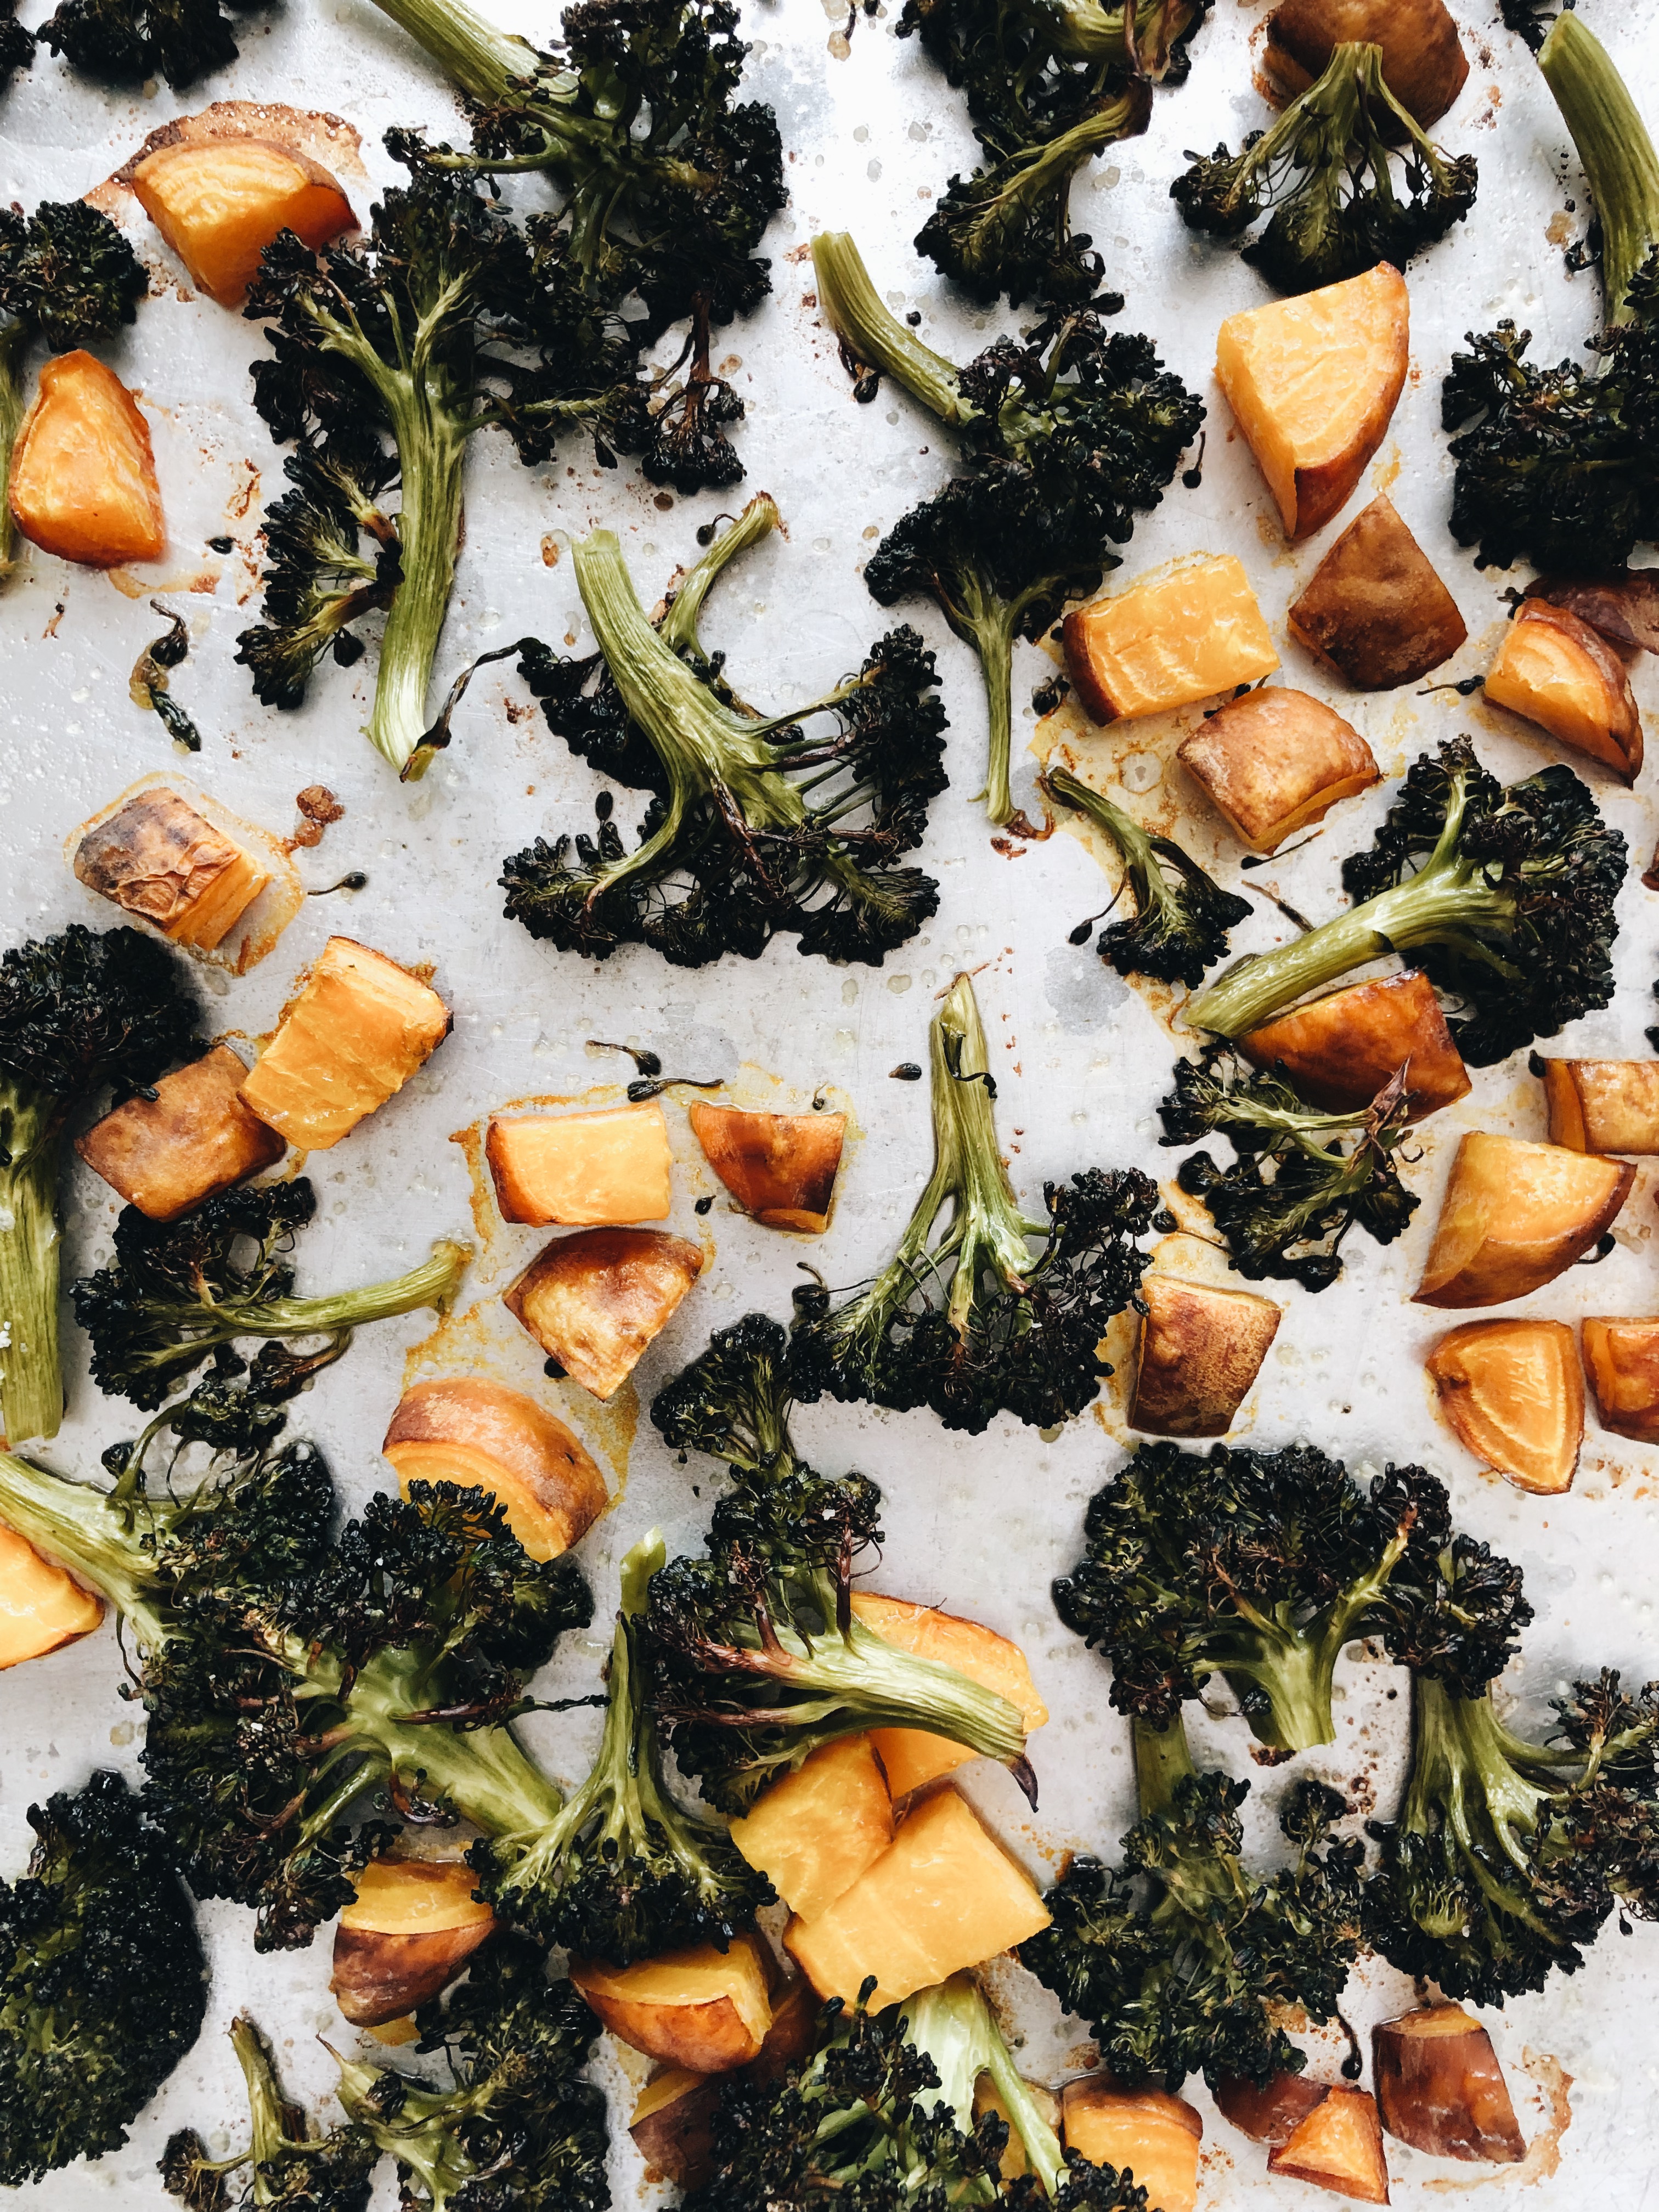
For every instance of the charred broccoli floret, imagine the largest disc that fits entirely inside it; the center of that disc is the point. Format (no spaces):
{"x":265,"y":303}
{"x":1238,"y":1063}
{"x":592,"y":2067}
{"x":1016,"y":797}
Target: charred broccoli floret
{"x":16,"y":46}
{"x":1262,"y":1566}
{"x":102,"y":1981}
{"x":127,"y":42}
{"x":285,"y":2167}
{"x":969,"y":1319}
{"x":756,"y":825}
{"x":1503,"y":896}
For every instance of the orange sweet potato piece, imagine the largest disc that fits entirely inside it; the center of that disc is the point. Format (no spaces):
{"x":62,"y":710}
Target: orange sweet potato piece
{"x":911,"y":1757}
{"x":1441,"y":2089}
{"x":1514,"y":1393}
{"x":42,"y":1607}
{"x":1515,"y":1214}
{"x":1424,"y":63}
{"x":672,"y":2122}
{"x":706,"y":2010}
{"x":593,"y":1302}
{"x":158,"y":857}
{"x":468,"y":1430}
{"x":1146,"y":2132}
{"x":780,"y":1168}
{"x":1603,"y":1105}
{"x":220,"y":201}
{"x":1338,"y":2147}
{"x":1201,"y":1349}
{"x":83,"y":481}
{"x":814,"y":1834}
{"x":1187,"y":632}
{"x":1621,"y":1358}
{"x":1556,"y":671}
{"x":194,"y":1138}
{"x":612,"y":1165}
{"x":1274,"y":761}
{"x":1374,"y":608}
{"x":405,"y":1937}
{"x":1273,"y":2113}
{"x":1340,"y":1050}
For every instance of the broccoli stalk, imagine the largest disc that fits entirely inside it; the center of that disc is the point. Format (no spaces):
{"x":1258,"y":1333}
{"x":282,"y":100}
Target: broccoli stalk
{"x":956,"y":2030}
{"x":970,"y":1320}
{"x":1508,"y":905}
{"x":1619,"y":160}
{"x":284,"y":2166}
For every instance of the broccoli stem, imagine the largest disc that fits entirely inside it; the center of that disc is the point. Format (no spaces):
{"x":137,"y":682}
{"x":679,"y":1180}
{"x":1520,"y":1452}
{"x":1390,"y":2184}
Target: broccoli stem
{"x":416,"y":2135}
{"x":14,"y":339}
{"x":1197,"y":1892}
{"x":678,"y":629}
{"x":869,"y":1683}
{"x":1135,"y":846}
{"x":431,"y":438}
{"x":952,"y":2024}
{"x":270,"y":2111}
{"x":981,"y":617}
{"x":484,"y":1773}
{"x":484,"y":62}
{"x":986,"y":1226}
{"x":876,"y":338}
{"x":1466,"y":1780}
{"x":88,"y":1532}
{"x":31,"y":1378}
{"x":1615,"y":148}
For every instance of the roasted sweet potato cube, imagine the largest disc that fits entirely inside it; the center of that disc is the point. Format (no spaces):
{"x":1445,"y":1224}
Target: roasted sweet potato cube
{"x":593,"y":1302}
{"x":987,"y":2099}
{"x":468,"y":1430}
{"x":1556,"y":671}
{"x":1621,"y":1358}
{"x":1623,"y":608}
{"x":1513,"y":1392}
{"x":1314,"y":382}
{"x":220,"y":201}
{"x":1201,"y":1349}
{"x":816,"y":1831}
{"x":1424,"y":63}
{"x":613,"y":1165}
{"x":1273,"y":2113}
{"x":700,"y":2009}
{"x":166,"y":1154}
{"x":911,"y":1757}
{"x":1374,"y":609}
{"x":1340,"y":1050}
{"x":41,"y":1605}
{"x":1274,"y":761}
{"x":1440,"y":2088}
{"x":84,"y":483}
{"x":357,"y":1030}
{"x":157,"y":858}
{"x":673,"y":2125}
{"x":779,"y":1167}
{"x":1188,"y":632}
{"x":1144,"y":2132}
{"x":1515,"y":1214}
{"x":405,"y":1937}
{"x":1603,"y":1105}
{"x":1338,"y":2147}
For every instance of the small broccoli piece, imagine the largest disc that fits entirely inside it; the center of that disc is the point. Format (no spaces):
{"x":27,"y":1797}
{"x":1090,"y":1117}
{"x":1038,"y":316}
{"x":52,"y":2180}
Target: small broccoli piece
{"x":1186,"y":1961}
{"x":1292,"y":1194}
{"x":1503,"y":896}
{"x":1181,"y":916}
{"x":285,"y":2167}
{"x":1066,"y":434}
{"x":518,"y":2126}
{"x":102,"y":1981}
{"x":319,"y":579}
{"x":760,"y":1657}
{"x":1325,"y":167}
{"x":127,"y":42}
{"x":175,"y":1292}
{"x":1261,"y":1566}
{"x":16,"y":46}
{"x":1530,"y":19}
{"x":756,"y":825}
{"x":970,"y":1320}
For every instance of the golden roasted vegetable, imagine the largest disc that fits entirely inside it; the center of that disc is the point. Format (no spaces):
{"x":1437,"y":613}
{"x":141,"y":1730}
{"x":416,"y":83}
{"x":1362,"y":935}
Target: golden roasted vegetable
{"x":1440,"y":2088}
{"x":1155,"y":2136}
{"x":910,"y":1756}
{"x":613,"y":1165}
{"x":1375,"y":607}
{"x":1621,"y":1358}
{"x":1187,"y":632}
{"x":593,"y":1302}
{"x":814,"y":1834}
{"x":41,"y":1607}
{"x":1556,"y":671}
{"x":468,"y":1430}
{"x":405,"y":1937}
{"x":1314,"y":382}
{"x":1338,"y":2147}
{"x":1273,"y":2113}
{"x":1515,"y":1214}
{"x":1603,"y":1105}
{"x":1424,"y":64}
{"x":1201,"y":1349}
{"x":83,"y":481}
{"x":1514,"y":1393}
{"x":780,"y":1168}
{"x":158,"y":857}
{"x":195,"y":1137}
{"x":1340,"y":1050}
{"x":1623,"y":608}
{"x":703,"y":2009}
{"x":357,"y":1030}
{"x":1275,"y":760}
{"x":220,"y":201}
{"x":988,"y":2099}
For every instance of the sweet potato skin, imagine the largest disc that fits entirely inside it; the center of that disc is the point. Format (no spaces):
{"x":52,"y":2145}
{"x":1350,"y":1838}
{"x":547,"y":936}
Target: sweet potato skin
{"x":596,"y":1300}
{"x":157,"y":858}
{"x":1440,"y":2088}
{"x":1273,"y":2113}
{"x":1423,"y":59}
{"x":470,"y":1429}
{"x":1275,"y":760}
{"x":1201,"y":1349}
{"x":1603,"y":1105}
{"x":1624,"y":608}
{"x":1339,"y":1051}
{"x":1374,"y":608}
{"x":1621,"y":1359}
{"x":694,"y":2008}
{"x":194,"y":1139}
{"x":780,"y":1168}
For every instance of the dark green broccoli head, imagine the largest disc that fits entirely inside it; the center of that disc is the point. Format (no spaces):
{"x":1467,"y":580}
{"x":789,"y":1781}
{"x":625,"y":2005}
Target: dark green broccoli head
{"x":126,"y":42}
{"x":85,"y":1009}
{"x":16,"y":46}
{"x":286,"y":2168}
{"x":66,"y":272}
{"x":733,"y":1401}
{"x":331,"y":556}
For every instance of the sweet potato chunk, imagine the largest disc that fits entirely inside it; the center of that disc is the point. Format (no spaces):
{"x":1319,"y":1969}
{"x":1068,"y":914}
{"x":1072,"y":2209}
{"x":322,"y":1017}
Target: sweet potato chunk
{"x":1188,"y":632}
{"x":1556,"y":671}
{"x":1314,"y":382}
{"x":1274,"y":761}
{"x":468,"y":1430}
{"x":1514,"y":1215}
{"x":1623,"y":608}
{"x":1201,"y":1349}
{"x":83,"y":481}
{"x":1338,"y":2147}
{"x":1603,"y":1105}
{"x":1374,"y":609}
{"x":41,"y":1607}
{"x":1146,"y":2132}
{"x":988,"y":2099}
{"x":700,"y":2009}
{"x":1440,"y":2087}
{"x":816,"y":1831}
{"x":673,"y":2122}
{"x":1271,"y":2114}
{"x":159,"y":858}
{"x":1424,"y":63}
{"x":1621,"y":1358}
{"x":576,"y":1168}
{"x":1339,"y":1051}
{"x":911,"y":1756}
{"x":1513,"y":1392}
{"x":944,"y":1896}
{"x":779,"y":1167}
{"x":595,"y":1301}
{"x":220,"y":201}
{"x":405,"y":1937}
{"x":166,"y":1154}
{"x":352,"y":1038}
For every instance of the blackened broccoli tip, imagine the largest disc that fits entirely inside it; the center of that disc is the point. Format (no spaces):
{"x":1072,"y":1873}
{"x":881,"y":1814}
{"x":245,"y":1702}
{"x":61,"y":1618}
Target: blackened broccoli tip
{"x":1503,"y":896}
{"x":1349,"y":177}
{"x":966,"y":1316}
{"x":17,"y":45}
{"x":102,"y":1981}
{"x":128,"y":42}
{"x":79,"y":1012}
{"x":794,"y":823}
{"x":286,"y":2163}
{"x":1185,"y":1961}
{"x":1181,"y":916}
{"x":1261,"y":1567}
{"x":733,"y":1401}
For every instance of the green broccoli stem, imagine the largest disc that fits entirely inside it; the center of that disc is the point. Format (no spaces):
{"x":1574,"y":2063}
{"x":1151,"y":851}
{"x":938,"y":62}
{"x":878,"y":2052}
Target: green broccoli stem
{"x":1136,"y":847}
{"x":1467,"y":1782}
{"x":421,"y":2135}
{"x":1615,"y":148}
{"x":1037,"y":172}
{"x":86,"y":1531}
{"x":981,"y":617}
{"x":434,"y":1283}
{"x":954,"y":2024}
{"x":1201,"y":1891}
{"x":431,"y":436}
{"x":486,"y":63}
{"x":484,"y":1773}
{"x":14,"y":342}
{"x":876,"y":338}
{"x":31,"y":1377}
{"x":987,"y":1227}
{"x":678,"y":627}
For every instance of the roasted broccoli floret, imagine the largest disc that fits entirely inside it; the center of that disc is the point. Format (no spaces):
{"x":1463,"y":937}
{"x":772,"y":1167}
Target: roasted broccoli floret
{"x":1503,"y":896}
{"x":756,"y":825}
{"x":1065,"y":436}
{"x":127,"y":42}
{"x":1293,"y":1192}
{"x":516,"y":2126}
{"x":285,"y":2167}
{"x":1326,"y":167}
{"x":16,"y":46}
{"x":761,"y":1658}
{"x":78,"y":1012}
{"x":102,"y":1981}
{"x":970,"y":1319}
{"x":1181,"y":916}
{"x":1184,"y":1961}
{"x":1262,"y":1566}
{"x":174,"y":1292}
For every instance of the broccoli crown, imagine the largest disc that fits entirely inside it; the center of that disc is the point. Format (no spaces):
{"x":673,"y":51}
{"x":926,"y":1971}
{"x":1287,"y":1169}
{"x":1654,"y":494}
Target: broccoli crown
{"x":756,"y":826}
{"x":733,"y":1401}
{"x":126,"y":42}
{"x":102,"y":1981}
{"x":16,"y":46}
{"x":1326,"y":167}
{"x":1261,"y":1566}
{"x":320,"y":576}
{"x":285,"y":2168}
{"x":66,"y":272}
{"x":86,"y":1008}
